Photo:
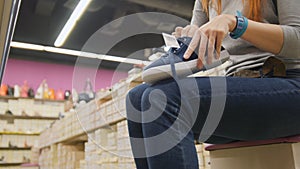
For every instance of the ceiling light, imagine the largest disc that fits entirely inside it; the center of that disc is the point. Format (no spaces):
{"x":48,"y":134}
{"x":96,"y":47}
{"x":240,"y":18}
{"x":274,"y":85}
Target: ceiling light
{"x":26,"y":46}
{"x":77,"y":53}
{"x":67,"y":29}
{"x":62,"y":51}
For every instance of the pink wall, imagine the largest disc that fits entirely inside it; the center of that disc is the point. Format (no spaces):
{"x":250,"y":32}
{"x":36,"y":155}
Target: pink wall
{"x":58,"y":76}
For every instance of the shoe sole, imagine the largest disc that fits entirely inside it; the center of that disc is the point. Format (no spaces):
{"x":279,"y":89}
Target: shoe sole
{"x":183,"y":69}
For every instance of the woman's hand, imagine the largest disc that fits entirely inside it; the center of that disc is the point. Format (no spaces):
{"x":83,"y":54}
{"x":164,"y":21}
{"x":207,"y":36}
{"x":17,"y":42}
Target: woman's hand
{"x":209,"y":37}
{"x":187,"y":31}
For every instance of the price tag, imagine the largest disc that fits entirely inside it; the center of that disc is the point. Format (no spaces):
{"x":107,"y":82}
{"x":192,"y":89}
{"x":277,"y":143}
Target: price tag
{"x":170,"y":41}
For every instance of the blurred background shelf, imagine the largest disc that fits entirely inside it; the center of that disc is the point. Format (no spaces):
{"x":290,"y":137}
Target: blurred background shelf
{"x":8,"y":117}
{"x":15,"y":148}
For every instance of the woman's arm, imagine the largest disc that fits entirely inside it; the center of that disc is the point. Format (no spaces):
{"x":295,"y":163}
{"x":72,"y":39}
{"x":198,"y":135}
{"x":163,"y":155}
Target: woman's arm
{"x":268,"y":37}
{"x":283,"y":39}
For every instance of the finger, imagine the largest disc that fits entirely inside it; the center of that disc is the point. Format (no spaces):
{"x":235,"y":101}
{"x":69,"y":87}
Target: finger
{"x":211,"y":48}
{"x":218,"y":46}
{"x":178,"y":31}
{"x":184,"y":32}
{"x":175,"y":34}
{"x":202,"y":51}
{"x":192,"y":47}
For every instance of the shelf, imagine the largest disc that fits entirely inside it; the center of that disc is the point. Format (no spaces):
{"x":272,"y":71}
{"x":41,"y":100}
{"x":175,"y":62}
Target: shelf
{"x":8,"y":117}
{"x":42,"y":100}
{"x":18,"y":133}
{"x":10,"y":164}
{"x":15,"y":148}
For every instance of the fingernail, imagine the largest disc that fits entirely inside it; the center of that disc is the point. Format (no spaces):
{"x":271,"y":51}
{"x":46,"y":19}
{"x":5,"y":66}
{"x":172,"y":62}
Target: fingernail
{"x":185,"y":56}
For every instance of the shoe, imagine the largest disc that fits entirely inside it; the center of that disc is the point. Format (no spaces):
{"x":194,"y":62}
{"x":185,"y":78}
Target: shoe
{"x":161,"y":68}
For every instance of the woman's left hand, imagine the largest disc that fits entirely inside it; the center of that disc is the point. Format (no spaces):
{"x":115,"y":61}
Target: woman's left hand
{"x":210,"y":37}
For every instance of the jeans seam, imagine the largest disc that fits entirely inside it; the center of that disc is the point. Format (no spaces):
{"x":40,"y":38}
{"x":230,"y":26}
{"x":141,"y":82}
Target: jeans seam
{"x":181,"y":148}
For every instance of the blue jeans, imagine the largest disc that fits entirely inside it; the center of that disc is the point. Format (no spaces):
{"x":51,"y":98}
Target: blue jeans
{"x":253,"y":109}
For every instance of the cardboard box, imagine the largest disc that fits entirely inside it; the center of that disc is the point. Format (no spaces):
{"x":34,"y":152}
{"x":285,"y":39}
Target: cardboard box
{"x":273,"y":156}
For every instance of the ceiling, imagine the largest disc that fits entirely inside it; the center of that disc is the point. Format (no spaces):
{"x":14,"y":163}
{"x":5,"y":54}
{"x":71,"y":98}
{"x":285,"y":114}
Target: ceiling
{"x":40,"y":22}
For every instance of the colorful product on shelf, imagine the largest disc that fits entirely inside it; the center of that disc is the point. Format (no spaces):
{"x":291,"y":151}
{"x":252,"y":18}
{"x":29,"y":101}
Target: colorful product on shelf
{"x":31,"y":93}
{"x":10,"y":91}
{"x":24,"y":89}
{"x":3,"y":90}
{"x":46,"y":91}
{"x":40,"y":91}
{"x":51,"y":94}
{"x":17,"y":92}
{"x":59,"y":95}
{"x":67,"y":94}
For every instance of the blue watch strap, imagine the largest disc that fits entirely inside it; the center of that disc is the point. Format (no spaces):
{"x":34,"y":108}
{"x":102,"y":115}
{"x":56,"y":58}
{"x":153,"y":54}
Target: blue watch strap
{"x":241,"y":26}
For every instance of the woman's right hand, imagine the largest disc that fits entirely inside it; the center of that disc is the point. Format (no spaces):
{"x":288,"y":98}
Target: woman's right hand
{"x":187,"y":31}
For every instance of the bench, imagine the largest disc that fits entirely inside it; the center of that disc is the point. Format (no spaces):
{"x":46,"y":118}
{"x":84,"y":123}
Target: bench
{"x":281,"y":153}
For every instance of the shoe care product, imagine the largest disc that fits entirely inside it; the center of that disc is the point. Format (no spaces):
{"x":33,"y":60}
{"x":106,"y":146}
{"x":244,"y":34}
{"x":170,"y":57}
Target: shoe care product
{"x":59,"y":95}
{"x":30,"y":93}
{"x":17,"y":91}
{"x":51,"y":94}
{"x":40,"y":91}
{"x":3,"y":90}
{"x":24,"y":89}
{"x":67,"y":94}
{"x":10,"y":91}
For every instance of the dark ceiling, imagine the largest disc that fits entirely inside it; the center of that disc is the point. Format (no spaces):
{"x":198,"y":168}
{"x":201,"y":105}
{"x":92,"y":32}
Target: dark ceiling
{"x":40,"y":21}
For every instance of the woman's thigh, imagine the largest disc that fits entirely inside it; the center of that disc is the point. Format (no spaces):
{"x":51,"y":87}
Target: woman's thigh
{"x":220,"y":109}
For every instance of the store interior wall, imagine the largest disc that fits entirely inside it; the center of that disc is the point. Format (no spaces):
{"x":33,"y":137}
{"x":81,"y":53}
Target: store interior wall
{"x":58,"y":76}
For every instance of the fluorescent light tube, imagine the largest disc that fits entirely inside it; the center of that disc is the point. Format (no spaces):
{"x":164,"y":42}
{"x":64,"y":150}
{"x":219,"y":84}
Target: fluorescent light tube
{"x":75,"y":16}
{"x":29,"y":46}
{"x":26,"y":46}
{"x":62,"y":51}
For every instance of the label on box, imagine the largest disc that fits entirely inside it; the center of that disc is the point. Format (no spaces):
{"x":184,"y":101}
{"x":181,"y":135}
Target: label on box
{"x":170,"y":41}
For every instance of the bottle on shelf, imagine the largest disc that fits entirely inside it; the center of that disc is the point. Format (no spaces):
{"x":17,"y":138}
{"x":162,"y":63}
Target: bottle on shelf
{"x":88,"y":89}
{"x":51,"y":94}
{"x":88,"y":93}
{"x":40,"y":91}
{"x":10,"y":91}
{"x":59,"y":95}
{"x":67,"y":94}
{"x":3,"y":90}
{"x":46,"y":91}
{"x":24,"y":89}
{"x":30,"y":93}
{"x":17,"y":92}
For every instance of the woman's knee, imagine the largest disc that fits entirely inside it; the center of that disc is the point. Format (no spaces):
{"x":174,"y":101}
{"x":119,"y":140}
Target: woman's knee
{"x":134,"y":96}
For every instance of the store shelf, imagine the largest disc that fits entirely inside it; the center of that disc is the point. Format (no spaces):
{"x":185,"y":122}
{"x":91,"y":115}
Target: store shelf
{"x":40,"y":100}
{"x":9,"y":117}
{"x":10,"y":164}
{"x":18,"y":133}
{"x":15,"y":148}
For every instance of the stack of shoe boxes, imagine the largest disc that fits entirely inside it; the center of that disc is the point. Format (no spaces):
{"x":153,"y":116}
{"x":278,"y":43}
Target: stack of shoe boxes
{"x":61,"y":156}
{"x":124,"y":148}
{"x":91,"y":156}
{"x":48,"y":157}
{"x":107,"y":147}
{"x":69,"y":156}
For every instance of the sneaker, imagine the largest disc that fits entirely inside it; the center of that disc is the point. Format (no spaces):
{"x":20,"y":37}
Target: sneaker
{"x":161,"y":68}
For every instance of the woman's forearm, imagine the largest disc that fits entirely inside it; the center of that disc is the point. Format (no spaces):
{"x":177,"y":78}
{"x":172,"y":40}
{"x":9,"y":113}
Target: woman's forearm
{"x":268,"y":37}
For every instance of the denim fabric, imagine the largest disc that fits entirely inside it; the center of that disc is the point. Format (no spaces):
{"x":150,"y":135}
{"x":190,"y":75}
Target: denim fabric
{"x":255,"y":109}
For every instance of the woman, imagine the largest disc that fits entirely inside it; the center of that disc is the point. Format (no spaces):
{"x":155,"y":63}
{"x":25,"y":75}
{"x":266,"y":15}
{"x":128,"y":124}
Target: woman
{"x":221,"y":109}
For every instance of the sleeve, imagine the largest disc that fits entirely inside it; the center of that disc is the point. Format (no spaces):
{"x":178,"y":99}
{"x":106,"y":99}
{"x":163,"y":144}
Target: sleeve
{"x":289,"y":19}
{"x":199,"y":16}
